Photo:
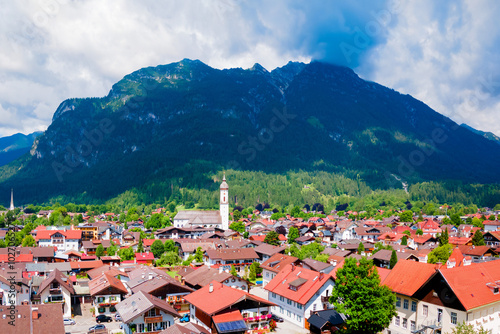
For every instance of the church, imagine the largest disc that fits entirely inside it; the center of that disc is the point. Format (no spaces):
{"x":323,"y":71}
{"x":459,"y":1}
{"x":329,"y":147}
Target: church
{"x":198,"y":218}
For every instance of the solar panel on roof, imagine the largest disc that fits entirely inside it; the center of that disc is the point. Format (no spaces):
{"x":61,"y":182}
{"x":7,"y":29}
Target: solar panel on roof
{"x":231,"y":326}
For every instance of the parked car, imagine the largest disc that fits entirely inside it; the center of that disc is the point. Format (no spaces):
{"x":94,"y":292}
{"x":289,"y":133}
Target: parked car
{"x":99,"y":326}
{"x":185,"y":318}
{"x":103,"y":318}
{"x":118,"y":317}
{"x":69,"y":322}
{"x":276,"y":318}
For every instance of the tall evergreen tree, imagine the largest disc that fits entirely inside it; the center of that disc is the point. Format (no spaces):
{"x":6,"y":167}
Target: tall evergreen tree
{"x":140,"y":247}
{"x":394,"y":259}
{"x":443,"y":238}
{"x":293,"y":233}
{"x":478,"y":239}
{"x":272,"y":238}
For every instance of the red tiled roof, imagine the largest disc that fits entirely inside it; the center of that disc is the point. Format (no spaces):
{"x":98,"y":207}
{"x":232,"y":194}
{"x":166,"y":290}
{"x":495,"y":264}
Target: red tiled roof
{"x":228,"y":316}
{"x":148,"y":242}
{"x":475,"y":250}
{"x":144,"y":256}
{"x":19,"y":258}
{"x":86,"y":264}
{"x":220,"y":298}
{"x":469,"y":283}
{"x":408,"y":276}
{"x":312,"y":283}
{"x":69,"y":234}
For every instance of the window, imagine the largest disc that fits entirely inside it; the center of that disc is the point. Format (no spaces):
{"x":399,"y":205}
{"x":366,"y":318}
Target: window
{"x":267,"y":274}
{"x":101,"y":309}
{"x":314,"y":307}
{"x":112,"y":309}
{"x":453,"y":318}
{"x":299,"y":306}
{"x":405,"y":304}
{"x":425,"y":310}
{"x":440,"y":314}
{"x":398,"y":301}
{"x":289,"y":301}
{"x":112,"y":298}
{"x":274,"y":295}
{"x":100,"y":299}
{"x":414,"y":306}
{"x":288,"y":313}
{"x":282,"y":298}
{"x":396,"y":320}
{"x":413,"y":326}
{"x":299,"y":318}
{"x":405,"y":323}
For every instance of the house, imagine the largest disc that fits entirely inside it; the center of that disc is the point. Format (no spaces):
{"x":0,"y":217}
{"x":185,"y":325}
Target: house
{"x":189,"y":246}
{"x":442,"y":297}
{"x":298,"y":292}
{"x":18,"y":295}
{"x":40,"y":254}
{"x":84,"y":266}
{"x":272,"y":266}
{"x":145,"y":258}
{"x":457,"y":259}
{"x":223,"y":309}
{"x":371,"y":233}
{"x":143,"y":313}
{"x":186,"y":328}
{"x":325,"y":321}
{"x":161,"y":285}
{"x":491,"y":225}
{"x":265,"y":251}
{"x":228,"y":257}
{"x":318,"y":266}
{"x":492,"y":238}
{"x":130,"y":238}
{"x":56,"y":288}
{"x":304,"y":240}
{"x":61,"y":240}
{"x":194,"y":232}
{"x":106,"y":291}
{"x":36,"y":319}
{"x":90,"y":247}
{"x":478,"y":252}
{"x":89,"y":231}
{"x":382,"y":258}
{"x":429,"y":227}
{"x":204,"y":275}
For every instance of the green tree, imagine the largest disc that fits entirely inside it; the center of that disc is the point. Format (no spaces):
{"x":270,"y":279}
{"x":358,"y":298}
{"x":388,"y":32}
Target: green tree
{"x":394,"y":259}
{"x":455,"y":219}
{"x":198,"y":255}
{"x":272,"y":238}
{"x":361,"y":248}
{"x":168,"y":258}
{"x":406,"y":216}
{"x":477,"y":222}
{"x":140,"y":247}
{"x":29,"y":241}
{"x":99,"y":251}
{"x":236,"y":215}
{"x":358,"y":294}
{"x":233,"y":270}
{"x":478,"y":239}
{"x":169,"y":246}
{"x":293,"y":233}
{"x":419,"y":232}
{"x":404,"y":240}
{"x":464,"y":328}
{"x":238,"y":227}
{"x":408,"y":233}
{"x":440,"y":254}
{"x":379,"y":246}
{"x":157,"y":248}
{"x":322,"y":258}
{"x":295,"y":212}
{"x":443,"y":238}
{"x":252,"y":275}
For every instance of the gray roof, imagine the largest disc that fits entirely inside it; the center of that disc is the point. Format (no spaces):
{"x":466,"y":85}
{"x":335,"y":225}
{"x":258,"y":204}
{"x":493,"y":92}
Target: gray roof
{"x":186,"y":328}
{"x":197,"y":217}
{"x":140,"y":302}
{"x":316,"y":265}
{"x":269,"y":250}
{"x":61,"y":266}
{"x":41,"y":266}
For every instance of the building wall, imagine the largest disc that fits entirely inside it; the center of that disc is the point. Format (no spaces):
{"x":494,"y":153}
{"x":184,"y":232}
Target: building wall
{"x":106,"y":299}
{"x":267,"y":276}
{"x":67,"y":300}
{"x":168,"y":318}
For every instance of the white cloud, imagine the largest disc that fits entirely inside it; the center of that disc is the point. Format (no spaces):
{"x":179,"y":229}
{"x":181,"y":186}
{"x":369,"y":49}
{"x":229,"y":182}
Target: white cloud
{"x":57,"y":49}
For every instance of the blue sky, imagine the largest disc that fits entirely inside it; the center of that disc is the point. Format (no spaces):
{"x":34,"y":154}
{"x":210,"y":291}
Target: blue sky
{"x":445,"y":53}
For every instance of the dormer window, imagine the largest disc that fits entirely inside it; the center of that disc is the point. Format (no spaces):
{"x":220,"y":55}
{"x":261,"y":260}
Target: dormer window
{"x":296,"y":284}
{"x":494,"y":287}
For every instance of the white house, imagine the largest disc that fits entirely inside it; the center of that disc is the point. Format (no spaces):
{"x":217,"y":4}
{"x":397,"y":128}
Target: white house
{"x":298,"y":292}
{"x":106,"y":292}
{"x":62,"y":240}
{"x":20,"y":295}
{"x":272,"y":266}
{"x":56,"y":288}
{"x":143,"y":313}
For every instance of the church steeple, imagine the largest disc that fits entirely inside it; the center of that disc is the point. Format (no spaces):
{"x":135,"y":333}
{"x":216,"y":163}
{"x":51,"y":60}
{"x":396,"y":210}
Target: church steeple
{"x":224,"y":203}
{"x":11,"y":199}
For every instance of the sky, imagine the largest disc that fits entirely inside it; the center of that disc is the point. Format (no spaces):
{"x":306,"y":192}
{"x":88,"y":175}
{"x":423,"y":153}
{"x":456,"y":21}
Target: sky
{"x":444,"y":53}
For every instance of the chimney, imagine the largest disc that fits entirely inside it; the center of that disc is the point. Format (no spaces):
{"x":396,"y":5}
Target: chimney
{"x":221,"y":270}
{"x":321,"y":274}
{"x":34,"y":313}
{"x":211,"y":288}
{"x":293,"y":266}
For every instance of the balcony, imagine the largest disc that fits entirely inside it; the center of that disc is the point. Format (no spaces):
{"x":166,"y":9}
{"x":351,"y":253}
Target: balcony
{"x":55,"y":291}
{"x":325,"y":299}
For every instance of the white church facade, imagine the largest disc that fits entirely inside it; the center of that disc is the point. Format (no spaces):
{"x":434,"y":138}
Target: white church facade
{"x":198,"y":218}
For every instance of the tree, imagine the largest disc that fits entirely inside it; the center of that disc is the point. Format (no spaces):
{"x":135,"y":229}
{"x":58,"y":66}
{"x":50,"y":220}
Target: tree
{"x":419,"y":232}
{"x":455,"y":219}
{"x":272,"y":238}
{"x":394,"y":259}
{"x":198,"y":255}
{"x":404,"y":240}
{"x":322,"y":258}
{"x":361,"y":248}
{"x":126,"y":254}
{"x":29,"y":241}
{"x":295,"y":212}
{"x":408,"y":233}
{"x":443,"y":238}
{"x":238,"y":227}
{"x":233,"y":270}
{"x":170,"y":246}
{"x":464,"y":328}
{"x":157,"y":248}
{"x":99,"y":251}
{"x":369,"y":306}
{"x":140,"y":247}
{"x":440,"y":254}
{"x":252,"y":276}
{"x":236,"y":215}
{"x":478,"y":239}
{"x":406,"y":216}
{"x":168,"y":258}
{"x":293,"y":233}
{"x":477,"y":222}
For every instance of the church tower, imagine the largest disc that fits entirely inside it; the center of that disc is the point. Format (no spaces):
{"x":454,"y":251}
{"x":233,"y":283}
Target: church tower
{"x":11,"y":199}
{"x":224,"y":203}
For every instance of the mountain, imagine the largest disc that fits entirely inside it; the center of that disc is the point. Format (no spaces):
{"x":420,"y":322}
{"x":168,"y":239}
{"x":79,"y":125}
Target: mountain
{"x":12,"y":147}
{"x":487,"y":135}
{"x":175,"y":126}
